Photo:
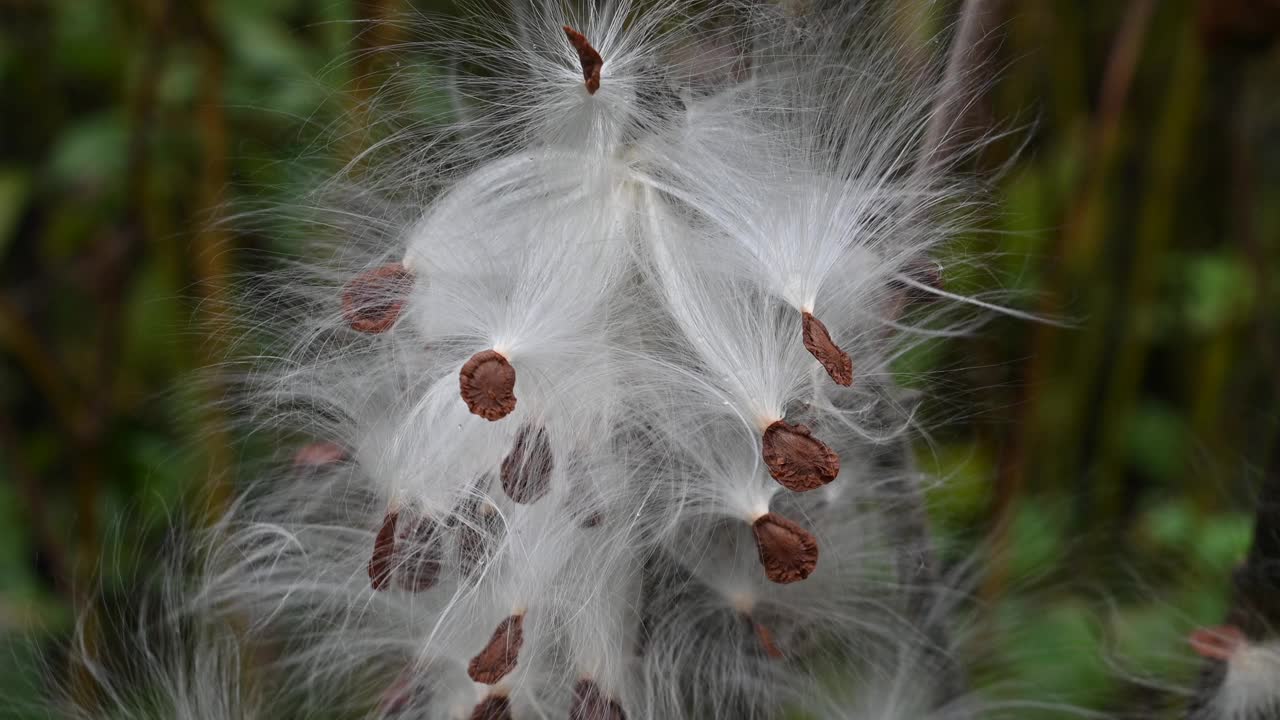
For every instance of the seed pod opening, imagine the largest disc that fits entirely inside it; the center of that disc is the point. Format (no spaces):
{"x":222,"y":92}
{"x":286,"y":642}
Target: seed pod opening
{"x":383,"y":557}
{"x":590,"y":59}
{"x":487,"y":383}
{"x":372,"y":301}
{"x":493,"y":707}
{"x":526,"y":470}
{"x":499,"y":656}
{"x":819,"y":344}
{"x":788,"y":552}
{"x":796,"y":459}
{"x":590,"y":703}
{"x":418,"y":556}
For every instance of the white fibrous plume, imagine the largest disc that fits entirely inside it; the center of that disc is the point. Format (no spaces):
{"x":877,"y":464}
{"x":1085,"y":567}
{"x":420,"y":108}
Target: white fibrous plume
{"x":1247,"y":673}
{"x":596,"y":376}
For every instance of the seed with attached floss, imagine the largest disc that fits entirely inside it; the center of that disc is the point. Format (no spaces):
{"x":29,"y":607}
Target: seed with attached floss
{"x":788,"y":552}
{"x":587,"y":55}
{"x":590,"y":703}
{"x":765,"y":636}
{"x":418,"y":556}
{"x":319,"y":454}
{"x":372,"y":301}
{"x":380,"y":563}
{"x":796,"y":459}
{"x":408,"y":697}
{"x":819,"y":344}
{"x":1217,"y":643}
{"x":487,"y":383}
{"x":477,"y":536}
{"x":493,"y":707}
{"x":526,"y":470}
{"x":499,"y":656}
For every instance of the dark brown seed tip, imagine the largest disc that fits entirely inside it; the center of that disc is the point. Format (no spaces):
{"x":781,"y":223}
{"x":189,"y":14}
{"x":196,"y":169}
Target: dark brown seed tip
{"x":526,"y":470}
{"x":494,"y":707}
{"x":819,"y":344}
{"x":498,"y":658}
{"x":384,"y":546}
{"x":587,"y":55}
{"x":765,"y":636}
{"x":488,"y":383}
{"x":787,"y":551}
{"x":418,"y":557}
{"x":796,"y":459}
{"x":590,"y":703}
{"x":372,"y":300}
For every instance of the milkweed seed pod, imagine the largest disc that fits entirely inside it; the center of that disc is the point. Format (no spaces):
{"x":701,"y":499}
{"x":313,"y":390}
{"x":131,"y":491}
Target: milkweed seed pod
{"x":595,"y":370}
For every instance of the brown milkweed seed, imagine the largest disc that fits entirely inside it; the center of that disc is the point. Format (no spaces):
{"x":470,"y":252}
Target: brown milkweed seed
{"x":384,"y":546}
{"x":787,"y":551}
{"x":526,"y":470}
{"x":765,"y":636}
{"x":587,"y":55}
{"x":488,"y":383}
{"x":494,"y":707}
{"x":819,"y":344}
{"x":373,"y":300}
{"x":477,"y":536}
{"x":796,"y":459}
{"x":498,"y":658}
{"x":418,"y":557}
{"x":589,"y":703}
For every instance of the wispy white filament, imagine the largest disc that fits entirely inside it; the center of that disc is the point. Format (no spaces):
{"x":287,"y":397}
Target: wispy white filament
{"x":576,"y":364}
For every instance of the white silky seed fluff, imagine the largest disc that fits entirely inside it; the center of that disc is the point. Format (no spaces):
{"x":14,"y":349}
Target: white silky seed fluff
{"x":641,"y":258}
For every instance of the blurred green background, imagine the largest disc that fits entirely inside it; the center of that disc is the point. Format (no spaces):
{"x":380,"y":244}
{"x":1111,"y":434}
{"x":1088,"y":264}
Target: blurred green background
{"x":1102,"y":476}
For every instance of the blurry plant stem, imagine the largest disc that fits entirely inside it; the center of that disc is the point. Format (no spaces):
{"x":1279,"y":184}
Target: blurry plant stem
{"x":118,"y":263}
{"x":212,"y":258}
{"x":1255,"y":602}
{"x":31,"y":490}
{"x":967,"y":55}
{"x":377,"y":32}
{"x":1078,"y":247}
{"x":1132,"y":331}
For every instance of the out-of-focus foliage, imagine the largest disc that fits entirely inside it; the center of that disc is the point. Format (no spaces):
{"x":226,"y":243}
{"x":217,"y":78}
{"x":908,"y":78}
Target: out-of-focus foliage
{"x":1099,"y":475}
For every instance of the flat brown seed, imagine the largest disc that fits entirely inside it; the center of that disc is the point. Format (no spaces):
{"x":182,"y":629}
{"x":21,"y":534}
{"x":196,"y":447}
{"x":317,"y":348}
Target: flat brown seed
{"x":488,"y":383}
{"x":796,"y":459}
{"x":765,"y":636}
{"x":498,"y":658}
{"x":819,"y":344}
{"x":787,"y":551}
{"x":418,"y":557}
{"x":373,"y":300}
{"x":477,"y":536}
{"x":526,"y":470}
{"x":384,"y":545}
{"x":590,"y":703}
{"x":494,"y":707}
{"x":590,"y":59}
